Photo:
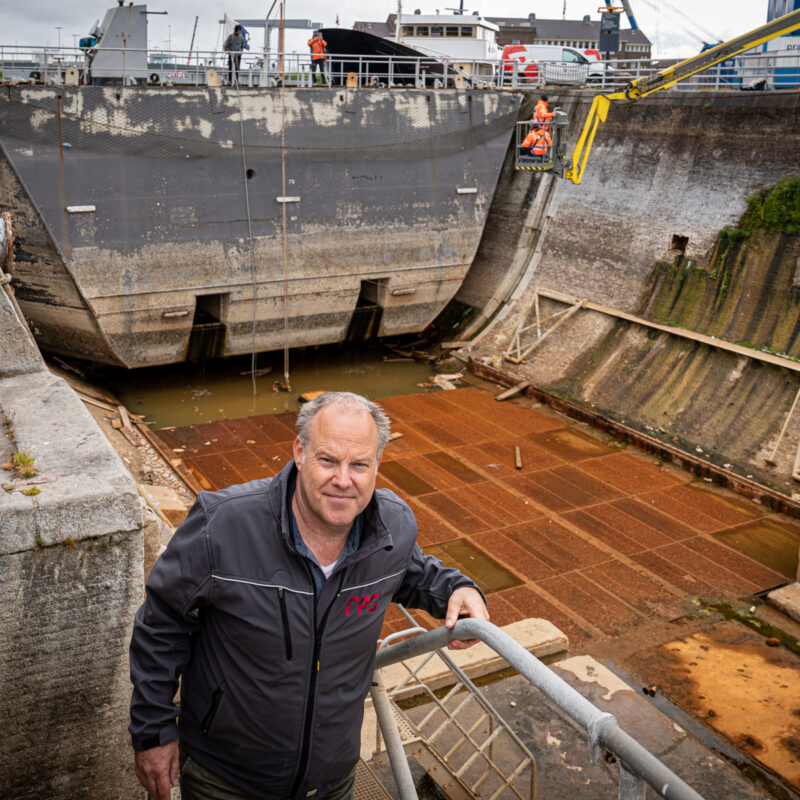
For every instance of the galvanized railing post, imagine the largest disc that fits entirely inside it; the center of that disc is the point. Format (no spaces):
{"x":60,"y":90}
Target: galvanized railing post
{"x":631,"y":787}
{"x":391,"y":735}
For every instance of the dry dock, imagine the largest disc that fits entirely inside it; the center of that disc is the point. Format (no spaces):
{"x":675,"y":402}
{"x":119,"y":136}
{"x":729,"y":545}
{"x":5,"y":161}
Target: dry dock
{"x":596,"y":539}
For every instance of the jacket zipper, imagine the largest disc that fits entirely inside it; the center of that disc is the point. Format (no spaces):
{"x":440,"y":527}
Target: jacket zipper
{"x":312,"y":683}
{"x":212,"y":711}
{"x":287,"y":633}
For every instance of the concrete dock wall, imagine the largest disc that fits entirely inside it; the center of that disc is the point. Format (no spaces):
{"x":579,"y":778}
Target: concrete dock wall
{"x":71,"y":578}
{"x":665,"y":176}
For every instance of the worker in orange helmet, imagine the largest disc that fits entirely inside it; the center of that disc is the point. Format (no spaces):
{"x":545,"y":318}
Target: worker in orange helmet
{"x":542,"y":115}
{"x":318,"y":49}
{"x":538,"y":142}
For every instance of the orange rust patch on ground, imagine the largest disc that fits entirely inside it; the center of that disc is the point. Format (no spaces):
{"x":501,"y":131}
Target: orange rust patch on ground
{"x":748,"y":692}
{"x":595,"y":539}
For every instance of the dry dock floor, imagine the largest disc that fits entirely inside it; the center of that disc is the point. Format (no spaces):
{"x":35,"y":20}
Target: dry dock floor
{"x":619,"y":551}
{"x":594,"y":538}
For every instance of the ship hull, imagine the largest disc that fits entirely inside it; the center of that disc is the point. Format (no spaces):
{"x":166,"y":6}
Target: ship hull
{"x":270,"y":213}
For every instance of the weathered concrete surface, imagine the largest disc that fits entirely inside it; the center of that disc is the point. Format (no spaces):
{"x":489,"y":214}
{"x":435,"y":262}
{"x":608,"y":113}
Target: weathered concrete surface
{"x":85,"y":491}
{"x":729,"y":678}
{"x":18,"y":353}
{"x":787,"y":599}
{"x":673,"y":165}
{"x":70,"y":581}
{"x":562,"y":766}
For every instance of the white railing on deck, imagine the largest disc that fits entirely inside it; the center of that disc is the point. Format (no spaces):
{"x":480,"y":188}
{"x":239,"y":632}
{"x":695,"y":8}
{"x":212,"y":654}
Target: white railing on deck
{"x":49,"y":65}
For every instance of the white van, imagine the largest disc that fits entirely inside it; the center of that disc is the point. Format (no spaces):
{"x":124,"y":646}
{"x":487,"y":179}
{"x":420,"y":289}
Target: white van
{"x":558,"y":64}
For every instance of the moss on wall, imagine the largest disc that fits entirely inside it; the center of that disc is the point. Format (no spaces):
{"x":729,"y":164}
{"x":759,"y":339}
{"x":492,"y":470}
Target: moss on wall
{"x":744,"y":289}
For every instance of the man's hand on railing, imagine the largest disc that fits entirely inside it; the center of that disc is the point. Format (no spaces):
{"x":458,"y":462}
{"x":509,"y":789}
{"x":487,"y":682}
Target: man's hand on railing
{"x":465,"y":601}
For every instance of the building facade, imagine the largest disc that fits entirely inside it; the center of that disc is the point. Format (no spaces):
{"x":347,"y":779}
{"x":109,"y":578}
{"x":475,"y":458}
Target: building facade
{"x":581,"y":34}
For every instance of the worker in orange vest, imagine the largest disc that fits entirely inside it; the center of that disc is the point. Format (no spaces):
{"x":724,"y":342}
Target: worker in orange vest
{"x":542,"y":115}
{"x":318,"y":49}
{"x":538,"y":142}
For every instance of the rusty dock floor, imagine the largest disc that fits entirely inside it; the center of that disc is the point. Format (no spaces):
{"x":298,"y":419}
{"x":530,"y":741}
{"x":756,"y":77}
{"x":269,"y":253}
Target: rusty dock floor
{"x":596,"y":539}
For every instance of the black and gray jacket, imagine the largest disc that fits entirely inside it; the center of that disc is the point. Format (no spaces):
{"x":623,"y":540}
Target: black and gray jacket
{"x":234,"y":43}
{"x":274,"y":675}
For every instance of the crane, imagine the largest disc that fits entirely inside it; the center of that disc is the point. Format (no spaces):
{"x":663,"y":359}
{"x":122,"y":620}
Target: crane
{"x":665,"y":79}
{"x":629,"y":14}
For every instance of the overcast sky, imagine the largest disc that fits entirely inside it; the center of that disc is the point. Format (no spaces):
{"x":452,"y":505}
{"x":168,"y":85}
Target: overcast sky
{"x":34,"y":22}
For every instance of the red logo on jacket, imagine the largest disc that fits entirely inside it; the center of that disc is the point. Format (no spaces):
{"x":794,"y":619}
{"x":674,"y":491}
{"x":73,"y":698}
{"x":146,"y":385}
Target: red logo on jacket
{"x":358,"y":604}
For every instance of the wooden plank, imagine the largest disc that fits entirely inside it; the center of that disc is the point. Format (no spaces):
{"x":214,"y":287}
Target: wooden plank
{"x":307,"y":397}
{"x":123,"y":415}
{"x":128,"y":434}
{"x":443,"y":383}
{"x":796,"y":470}
{"x":517,"y":457}
{"x":99,"y":403}
{"x":771,"y":459}
{"x":453,"y":345}
{"x":514,"y":390}
{"x":721,"y":344}
{"x":154,"y":507}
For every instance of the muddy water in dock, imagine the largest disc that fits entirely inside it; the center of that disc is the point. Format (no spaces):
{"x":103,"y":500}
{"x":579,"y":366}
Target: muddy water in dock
{"x":185,"y":394}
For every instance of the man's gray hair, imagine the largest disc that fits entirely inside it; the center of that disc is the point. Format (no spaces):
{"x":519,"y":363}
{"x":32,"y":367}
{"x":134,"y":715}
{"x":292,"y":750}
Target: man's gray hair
{"x":348,"y":400}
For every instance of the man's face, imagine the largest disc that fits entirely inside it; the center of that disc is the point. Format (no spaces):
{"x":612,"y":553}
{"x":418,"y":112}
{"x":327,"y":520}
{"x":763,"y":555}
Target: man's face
{"x":337,"y":480}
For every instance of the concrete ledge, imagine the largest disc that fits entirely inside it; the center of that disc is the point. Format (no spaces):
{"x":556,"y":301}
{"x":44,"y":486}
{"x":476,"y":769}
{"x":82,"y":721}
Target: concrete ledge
{"x":787,"y":599}
{"x":18,"y":353}
{"x":84,"y":490}
{"x":538,"y":636}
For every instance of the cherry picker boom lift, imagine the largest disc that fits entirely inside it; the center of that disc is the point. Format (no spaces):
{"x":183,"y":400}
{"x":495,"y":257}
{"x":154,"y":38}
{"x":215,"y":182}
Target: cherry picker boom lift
{"x":573,"y":168}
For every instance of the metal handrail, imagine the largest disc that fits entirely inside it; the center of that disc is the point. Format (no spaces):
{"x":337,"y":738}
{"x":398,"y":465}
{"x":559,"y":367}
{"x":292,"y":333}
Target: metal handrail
{"x":604,"y":734}
{"x":444,"y":716}
{"x":189,"y":67}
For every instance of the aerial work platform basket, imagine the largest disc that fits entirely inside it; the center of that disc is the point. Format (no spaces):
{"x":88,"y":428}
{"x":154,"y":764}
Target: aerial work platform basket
{"x":555,"y":159}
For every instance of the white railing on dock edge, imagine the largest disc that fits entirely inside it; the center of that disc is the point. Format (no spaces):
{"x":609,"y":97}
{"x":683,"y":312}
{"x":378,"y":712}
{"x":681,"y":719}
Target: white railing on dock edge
{"x":50,"y":65}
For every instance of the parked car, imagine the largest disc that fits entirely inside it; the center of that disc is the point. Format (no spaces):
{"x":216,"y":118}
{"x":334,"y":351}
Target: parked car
{"x":556,"y":63}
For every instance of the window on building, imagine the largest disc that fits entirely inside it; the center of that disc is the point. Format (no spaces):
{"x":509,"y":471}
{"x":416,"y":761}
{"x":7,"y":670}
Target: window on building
{"x":515,"y":41}
{"x":422,"y":30}
{"x":467,"y":30}
{"x":437,"y":30}
{"x":408,"y":30}
{"x":451,"y":30}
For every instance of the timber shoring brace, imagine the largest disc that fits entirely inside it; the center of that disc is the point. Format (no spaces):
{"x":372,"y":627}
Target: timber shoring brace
{"x":769,"y":498}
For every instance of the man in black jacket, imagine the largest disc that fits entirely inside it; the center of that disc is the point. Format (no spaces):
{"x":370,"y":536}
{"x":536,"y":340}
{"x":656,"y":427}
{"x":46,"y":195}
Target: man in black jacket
{"x":234,"y":45}
{"x":268,"y":603}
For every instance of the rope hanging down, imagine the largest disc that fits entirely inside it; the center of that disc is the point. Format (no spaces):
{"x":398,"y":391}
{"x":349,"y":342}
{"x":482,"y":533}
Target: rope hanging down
{"x":285,"y":243}
{"x":252,"y":244}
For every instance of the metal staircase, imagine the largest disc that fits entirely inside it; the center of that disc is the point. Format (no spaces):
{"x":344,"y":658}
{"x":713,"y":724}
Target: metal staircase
{"x":462,"y":741}
{"x":454,"y":733}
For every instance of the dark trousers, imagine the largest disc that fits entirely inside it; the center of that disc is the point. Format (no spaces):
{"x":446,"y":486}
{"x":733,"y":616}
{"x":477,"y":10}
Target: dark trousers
{"x":318,"y":64}
{"x":199,"y":783}
{"x":234,"y":59}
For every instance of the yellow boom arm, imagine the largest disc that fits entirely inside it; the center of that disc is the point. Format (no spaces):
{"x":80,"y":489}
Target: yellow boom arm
{"x":669,"y":77}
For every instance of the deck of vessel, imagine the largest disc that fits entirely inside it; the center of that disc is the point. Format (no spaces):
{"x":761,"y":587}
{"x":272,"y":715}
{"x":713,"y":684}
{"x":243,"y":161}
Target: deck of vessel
{"x":595,"y":538}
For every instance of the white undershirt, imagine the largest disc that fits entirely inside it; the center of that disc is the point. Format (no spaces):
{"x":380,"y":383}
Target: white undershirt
{"x":326,"y":571}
